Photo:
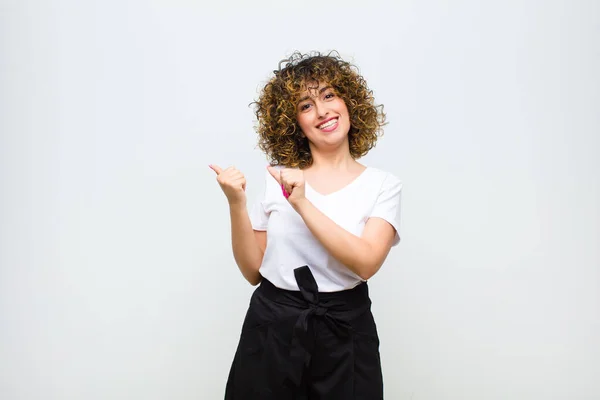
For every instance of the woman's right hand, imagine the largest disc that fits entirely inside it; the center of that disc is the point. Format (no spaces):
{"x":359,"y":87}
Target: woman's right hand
{"x":232,"y":182}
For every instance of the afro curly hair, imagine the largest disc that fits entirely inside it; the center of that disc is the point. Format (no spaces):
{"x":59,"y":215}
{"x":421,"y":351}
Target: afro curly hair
{"x":279,"y":134}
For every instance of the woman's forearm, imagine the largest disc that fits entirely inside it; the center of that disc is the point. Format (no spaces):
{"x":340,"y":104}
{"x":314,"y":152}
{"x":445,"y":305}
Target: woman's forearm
{"x":349,"y":249}
{"x":246,"y":251}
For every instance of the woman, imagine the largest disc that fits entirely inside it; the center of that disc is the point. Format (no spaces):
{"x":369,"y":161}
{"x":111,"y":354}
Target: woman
{"x":323,"y":226}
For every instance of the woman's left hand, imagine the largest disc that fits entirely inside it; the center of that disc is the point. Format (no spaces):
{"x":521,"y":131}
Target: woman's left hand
{"x":291,"y":181}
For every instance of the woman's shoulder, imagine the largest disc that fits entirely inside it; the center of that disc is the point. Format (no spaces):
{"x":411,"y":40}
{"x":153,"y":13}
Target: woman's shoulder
{"x":382,"y":177}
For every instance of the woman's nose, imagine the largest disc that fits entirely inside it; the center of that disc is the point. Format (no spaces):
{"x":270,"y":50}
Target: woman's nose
{"x":321,"y":110}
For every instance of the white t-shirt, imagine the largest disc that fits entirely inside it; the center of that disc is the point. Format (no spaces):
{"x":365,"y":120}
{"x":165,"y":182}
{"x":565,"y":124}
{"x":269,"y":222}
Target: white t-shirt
{"x":290,"y":244}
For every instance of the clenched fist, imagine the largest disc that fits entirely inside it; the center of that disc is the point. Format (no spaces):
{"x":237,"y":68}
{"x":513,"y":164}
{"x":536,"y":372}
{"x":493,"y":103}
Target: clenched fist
{"x":233,"y":184}
{"x":291,"y":182}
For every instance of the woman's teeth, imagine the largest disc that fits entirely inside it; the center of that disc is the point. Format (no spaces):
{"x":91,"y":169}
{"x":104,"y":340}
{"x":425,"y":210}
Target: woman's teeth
{"x":328,"y":124}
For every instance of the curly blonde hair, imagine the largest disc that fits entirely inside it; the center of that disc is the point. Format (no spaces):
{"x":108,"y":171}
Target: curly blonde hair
{"x":279,"y":134}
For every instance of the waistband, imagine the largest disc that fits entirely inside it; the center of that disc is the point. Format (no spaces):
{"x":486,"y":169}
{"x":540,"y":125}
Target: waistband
{"x":342,"y":300}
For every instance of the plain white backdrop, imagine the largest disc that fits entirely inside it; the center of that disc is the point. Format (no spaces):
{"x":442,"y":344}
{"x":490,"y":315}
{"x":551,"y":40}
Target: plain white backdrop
{"x":116,"y":274}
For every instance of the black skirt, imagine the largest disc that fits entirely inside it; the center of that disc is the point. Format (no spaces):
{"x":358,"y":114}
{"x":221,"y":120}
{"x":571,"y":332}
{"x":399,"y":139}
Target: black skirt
{"x":307,"y":345}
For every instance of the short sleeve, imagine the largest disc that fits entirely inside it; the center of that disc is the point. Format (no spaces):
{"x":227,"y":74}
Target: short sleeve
{"x":259,"y":217}
{"x":387,"y":205}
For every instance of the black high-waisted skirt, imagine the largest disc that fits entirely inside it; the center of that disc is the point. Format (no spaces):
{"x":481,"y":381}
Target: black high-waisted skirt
{"x":307,"y":345}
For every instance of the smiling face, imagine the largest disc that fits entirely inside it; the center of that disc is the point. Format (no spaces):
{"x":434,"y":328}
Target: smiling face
{"x":323,"y":116}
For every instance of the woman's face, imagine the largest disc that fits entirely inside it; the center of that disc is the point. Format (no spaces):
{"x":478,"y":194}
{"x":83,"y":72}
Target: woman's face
{"x":323,"y":116}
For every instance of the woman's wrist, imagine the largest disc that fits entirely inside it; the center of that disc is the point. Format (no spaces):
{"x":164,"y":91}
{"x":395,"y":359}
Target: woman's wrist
{"x":300,"y":205}
{"x":238,"y":205}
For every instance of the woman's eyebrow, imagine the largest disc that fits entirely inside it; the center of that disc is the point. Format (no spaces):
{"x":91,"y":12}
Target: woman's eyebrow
{"x":320,"y":91}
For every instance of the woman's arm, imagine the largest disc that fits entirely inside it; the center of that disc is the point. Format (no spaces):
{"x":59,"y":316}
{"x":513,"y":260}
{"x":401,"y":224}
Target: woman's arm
{"x":362,"y":255}
{"x":248,"y":245}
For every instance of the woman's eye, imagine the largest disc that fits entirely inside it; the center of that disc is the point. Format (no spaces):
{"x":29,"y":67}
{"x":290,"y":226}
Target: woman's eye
{"x":304,"y":106}
{"x":329,"y":95}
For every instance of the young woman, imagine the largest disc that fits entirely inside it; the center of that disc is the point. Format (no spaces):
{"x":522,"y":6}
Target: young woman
{"x":323,"y":226}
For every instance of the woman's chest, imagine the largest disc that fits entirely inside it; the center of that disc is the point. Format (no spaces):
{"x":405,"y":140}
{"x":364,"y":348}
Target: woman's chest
{"x":350,"y":212}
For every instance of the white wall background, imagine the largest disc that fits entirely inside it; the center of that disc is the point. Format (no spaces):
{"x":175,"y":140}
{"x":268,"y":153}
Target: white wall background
{"x":116,"y":276}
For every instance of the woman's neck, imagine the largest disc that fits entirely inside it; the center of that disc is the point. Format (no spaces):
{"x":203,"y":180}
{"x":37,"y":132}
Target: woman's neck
{"x":339,"y":160}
